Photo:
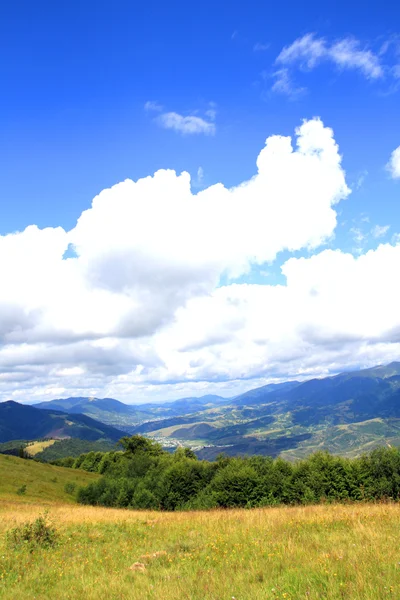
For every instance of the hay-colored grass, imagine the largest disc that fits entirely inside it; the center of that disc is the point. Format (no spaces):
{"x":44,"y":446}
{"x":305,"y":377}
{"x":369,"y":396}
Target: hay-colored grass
{"x":322,"y":552}
{"x":37,"y":447}
{"x":326,"y":552}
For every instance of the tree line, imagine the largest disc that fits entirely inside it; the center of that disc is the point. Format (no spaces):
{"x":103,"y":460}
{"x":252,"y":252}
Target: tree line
{"x":144,"y":476}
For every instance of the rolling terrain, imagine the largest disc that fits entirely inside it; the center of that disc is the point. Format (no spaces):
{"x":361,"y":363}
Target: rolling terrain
{"x":326,"y":552}
{"x":22,"y":422}
{"x":26,"y":481}
{"x":347,"y":414}
{"x":116,"y":413}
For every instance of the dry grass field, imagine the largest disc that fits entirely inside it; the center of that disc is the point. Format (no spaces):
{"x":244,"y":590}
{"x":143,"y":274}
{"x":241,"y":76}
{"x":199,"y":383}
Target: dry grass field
{"x":322,"y":552}
{"x":34,"y":448}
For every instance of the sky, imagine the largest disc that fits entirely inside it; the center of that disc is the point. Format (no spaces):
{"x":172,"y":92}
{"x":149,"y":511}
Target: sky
{"x":198,"y":198}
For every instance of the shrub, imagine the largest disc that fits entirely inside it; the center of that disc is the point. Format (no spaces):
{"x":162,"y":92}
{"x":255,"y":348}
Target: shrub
{"x":70,"y":488}
{"x":39,"y":533}
{"x":21,"y":490}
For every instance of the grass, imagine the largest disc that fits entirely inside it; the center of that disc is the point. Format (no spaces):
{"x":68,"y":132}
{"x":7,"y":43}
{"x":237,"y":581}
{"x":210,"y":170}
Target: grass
{"x":35,"y":447}
{"x":326,"y":552}
{"x":42,"y":482}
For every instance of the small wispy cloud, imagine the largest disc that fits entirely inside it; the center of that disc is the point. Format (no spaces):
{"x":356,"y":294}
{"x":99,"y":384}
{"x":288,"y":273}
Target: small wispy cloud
{"x":380,"y":230}
{"x":260,"y":47}
{"x":358,"y":235}
{"x":152,"y":106}
{"x":393,"y":165}
{"x":309,"y":51}
{"x":187,"y":125}
{"x":198,"y":180}
{"x":347,"y":53}
{"x":360,"y":179}
{"x":284,"y":84}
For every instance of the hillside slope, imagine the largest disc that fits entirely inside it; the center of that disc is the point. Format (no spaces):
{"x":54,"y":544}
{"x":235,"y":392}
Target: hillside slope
{"x":44,"y":483}
{"x":22,"y":422}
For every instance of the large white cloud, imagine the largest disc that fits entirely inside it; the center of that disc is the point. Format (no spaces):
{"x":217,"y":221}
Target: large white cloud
{"x":394,"y":164}
{"x":139,"y":302}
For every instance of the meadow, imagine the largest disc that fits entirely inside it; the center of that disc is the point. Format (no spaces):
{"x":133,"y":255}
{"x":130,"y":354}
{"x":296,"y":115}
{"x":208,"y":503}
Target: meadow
{"x":329,"y":551}
{"x":292,"y":553}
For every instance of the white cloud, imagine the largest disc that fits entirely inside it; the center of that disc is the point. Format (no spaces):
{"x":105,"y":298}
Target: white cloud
{"x":187,"y":125}
{"x":307,"y":50}
{"x":310,"y":51}
{"x":346,"y":53}
{"x":358,"y":235}
{"x":138,"y":303}
{"x":394,"y":163}
{"x":211,"y":113}
{"x":284,"y":85}
{"x":380,"y":230}
{"x":335,"y":311}
{"x":151,"y":106}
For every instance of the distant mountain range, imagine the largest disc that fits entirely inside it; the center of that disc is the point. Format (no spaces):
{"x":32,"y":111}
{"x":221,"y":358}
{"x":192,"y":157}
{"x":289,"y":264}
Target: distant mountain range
{"x":22,"y":422}
{"x":116,"y":413}
{"x":347,"y":413}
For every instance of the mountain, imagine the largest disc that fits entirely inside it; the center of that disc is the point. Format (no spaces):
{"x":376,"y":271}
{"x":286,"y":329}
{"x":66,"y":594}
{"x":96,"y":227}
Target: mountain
{"x":80,"y":405}
{"x":346,"y":413}
{"x":116,"y":413}
{"x":344,"y":398}
{"x":22,"y":422}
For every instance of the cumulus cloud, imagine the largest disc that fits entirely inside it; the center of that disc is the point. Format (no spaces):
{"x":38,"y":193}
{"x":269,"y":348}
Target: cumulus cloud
{"x":393,"y":165}
{"x":140,"y":302}
{"x":188,"y":125}
{"x":335,"y":311}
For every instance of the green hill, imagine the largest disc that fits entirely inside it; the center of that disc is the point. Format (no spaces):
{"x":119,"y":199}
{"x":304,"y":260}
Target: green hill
{"x":23,"y":422}
{"x":44,"y":483}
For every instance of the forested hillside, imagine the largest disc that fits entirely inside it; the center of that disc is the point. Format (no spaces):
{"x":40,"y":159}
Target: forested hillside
{"x":145,"y":476}
{"x":22,"y":422}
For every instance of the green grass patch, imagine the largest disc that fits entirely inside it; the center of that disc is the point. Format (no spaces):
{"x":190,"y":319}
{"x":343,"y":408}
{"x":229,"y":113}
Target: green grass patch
{"x":27,"y":480}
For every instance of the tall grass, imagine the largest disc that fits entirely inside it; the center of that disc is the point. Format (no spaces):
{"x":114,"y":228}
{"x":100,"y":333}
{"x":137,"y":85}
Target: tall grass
{"x":321,"y":552}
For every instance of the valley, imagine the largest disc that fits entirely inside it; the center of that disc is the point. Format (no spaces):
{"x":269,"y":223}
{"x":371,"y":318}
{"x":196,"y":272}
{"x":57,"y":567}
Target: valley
{"x":346,"y":414}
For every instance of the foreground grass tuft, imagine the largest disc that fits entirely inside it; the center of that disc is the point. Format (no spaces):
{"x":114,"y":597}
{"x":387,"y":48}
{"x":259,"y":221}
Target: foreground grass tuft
{"x":39,"y":533}
{"x":330,"y":552}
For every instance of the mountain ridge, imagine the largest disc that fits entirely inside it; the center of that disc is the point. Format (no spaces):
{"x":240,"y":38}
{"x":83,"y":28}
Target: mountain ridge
{"x":21,"y":421}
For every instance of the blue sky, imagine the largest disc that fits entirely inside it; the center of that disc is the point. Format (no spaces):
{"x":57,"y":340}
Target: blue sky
{"x":94,"y":93}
